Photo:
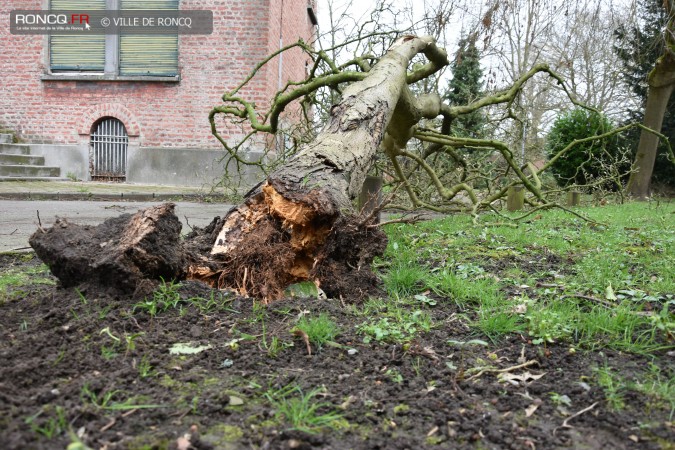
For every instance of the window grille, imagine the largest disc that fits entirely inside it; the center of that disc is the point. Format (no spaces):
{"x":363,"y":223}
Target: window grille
{"x":109,"y":143}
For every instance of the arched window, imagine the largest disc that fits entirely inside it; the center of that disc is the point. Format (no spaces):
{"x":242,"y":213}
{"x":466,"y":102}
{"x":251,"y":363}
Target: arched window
{"x":108,"y":150}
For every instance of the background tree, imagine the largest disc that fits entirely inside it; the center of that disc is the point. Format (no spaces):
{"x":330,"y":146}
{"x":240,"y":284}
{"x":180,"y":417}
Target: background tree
{"x":465,"y":87}
{"x":638,"y":46}
{"x":587,"y":162}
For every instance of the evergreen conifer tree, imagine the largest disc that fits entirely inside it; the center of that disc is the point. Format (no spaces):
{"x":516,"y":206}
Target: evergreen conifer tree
{"x":465,"y":87}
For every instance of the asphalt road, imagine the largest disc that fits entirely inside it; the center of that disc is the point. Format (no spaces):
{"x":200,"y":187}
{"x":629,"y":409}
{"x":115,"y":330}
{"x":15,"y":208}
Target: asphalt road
{"x":19,"y":219}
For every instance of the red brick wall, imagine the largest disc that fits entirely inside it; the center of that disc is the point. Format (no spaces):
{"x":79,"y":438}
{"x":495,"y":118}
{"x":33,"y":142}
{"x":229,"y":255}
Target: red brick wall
{"x":160,"y":114}
{"x":294,"y":61}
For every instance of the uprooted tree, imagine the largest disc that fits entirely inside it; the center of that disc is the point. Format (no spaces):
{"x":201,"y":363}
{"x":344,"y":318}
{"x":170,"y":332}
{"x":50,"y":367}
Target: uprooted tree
{"x":299,"y":224}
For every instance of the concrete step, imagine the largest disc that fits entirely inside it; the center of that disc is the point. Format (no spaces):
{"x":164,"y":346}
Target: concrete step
{"x":22,"y":160}
{"x":15,"y":149}
{"x":6,"y":138}
{"x":8,"y":179}
{"x":15,"y":170}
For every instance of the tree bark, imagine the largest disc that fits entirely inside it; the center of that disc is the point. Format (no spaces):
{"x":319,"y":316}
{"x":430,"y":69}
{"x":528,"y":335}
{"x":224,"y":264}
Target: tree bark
{"x":643,"y":166}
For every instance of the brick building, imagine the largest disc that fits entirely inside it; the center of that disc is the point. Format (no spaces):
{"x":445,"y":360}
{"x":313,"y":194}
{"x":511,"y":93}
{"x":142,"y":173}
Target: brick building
{"x":152,"y":94}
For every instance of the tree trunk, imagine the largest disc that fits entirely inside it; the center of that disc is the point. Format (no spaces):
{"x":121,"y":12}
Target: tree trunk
{"x":296,"y":226}
{"x":643,"y":166}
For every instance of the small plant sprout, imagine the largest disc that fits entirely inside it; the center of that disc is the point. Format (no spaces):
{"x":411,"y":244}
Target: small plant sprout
{"x":394,"y":375}
{"x":83,"y":299}
{"x":145,"y":369}
{"x":130,"y":340}
{"x":560,"y":399}
{"x":47,"y":424}
{"x":107,"y":332}
{"x":613,"y":386}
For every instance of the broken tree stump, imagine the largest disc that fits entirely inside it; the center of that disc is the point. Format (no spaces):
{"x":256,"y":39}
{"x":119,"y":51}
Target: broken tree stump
{"x":573,"y":198}
{"x":119,"y":253}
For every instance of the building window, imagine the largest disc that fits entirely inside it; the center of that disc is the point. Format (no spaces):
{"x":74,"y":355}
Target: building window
{"x":125,"y":54}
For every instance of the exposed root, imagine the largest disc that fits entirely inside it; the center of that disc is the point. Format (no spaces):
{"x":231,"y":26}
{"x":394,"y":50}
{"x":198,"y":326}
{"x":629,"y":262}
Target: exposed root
{"x":272,"y":242}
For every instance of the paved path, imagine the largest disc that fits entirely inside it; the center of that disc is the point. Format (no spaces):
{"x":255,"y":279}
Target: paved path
{"x":18,"y":219}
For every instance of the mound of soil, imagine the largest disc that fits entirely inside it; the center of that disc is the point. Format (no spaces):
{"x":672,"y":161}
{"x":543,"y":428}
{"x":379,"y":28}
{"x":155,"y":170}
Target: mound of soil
{"x":98,"y":367}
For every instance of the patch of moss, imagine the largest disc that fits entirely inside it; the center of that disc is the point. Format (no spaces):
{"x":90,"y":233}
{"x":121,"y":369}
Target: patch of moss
{"x":435,"y":440}
{"x":148,"y":442}
{"x":223,"y":436}
{"x":401,"y":409}
{"x":340,"y":424}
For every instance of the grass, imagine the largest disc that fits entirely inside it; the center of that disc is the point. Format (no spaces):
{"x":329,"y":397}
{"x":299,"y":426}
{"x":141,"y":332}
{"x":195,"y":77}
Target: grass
{"x":167,"y":296}
{"x":108,"y":400}
{"x":302,"y":411}
{"x":14,"y":279}
{"x":319,"y":330}
{"x":49,"y":421}
{"x":555,"y":278}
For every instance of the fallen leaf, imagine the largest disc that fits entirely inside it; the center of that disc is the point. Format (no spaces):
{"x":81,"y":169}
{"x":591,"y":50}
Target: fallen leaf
{"x":351,"y":399}
{"x":187,"y":348}
{"x":299,"y":332}
{"x":609,"y":293}
{"x":523,"y":377}
{"x":235,"y":401}
{"x":519,"y":309}
{"x":634,"y":438}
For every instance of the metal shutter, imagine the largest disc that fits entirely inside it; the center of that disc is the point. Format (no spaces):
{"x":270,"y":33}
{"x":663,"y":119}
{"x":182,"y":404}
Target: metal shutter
{"x":149,"y":54}
{"x":82,"y":52}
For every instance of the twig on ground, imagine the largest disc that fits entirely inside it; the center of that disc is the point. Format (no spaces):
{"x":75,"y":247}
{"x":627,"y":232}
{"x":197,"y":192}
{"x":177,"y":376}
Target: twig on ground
{"x":40,"y":222}
{"x":588,"y":297}
{"x":508,"y":369}
{"x":410,"y":220}
{"x":577,"y":414}
{"x":109,"y":425}
{"x":180,"y":417}
{"x":130,"y":412}
{"x":187,"y":222}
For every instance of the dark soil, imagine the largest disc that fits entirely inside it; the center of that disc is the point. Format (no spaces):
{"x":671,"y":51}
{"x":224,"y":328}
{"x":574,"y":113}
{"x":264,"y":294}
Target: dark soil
{"x":58,"y":357}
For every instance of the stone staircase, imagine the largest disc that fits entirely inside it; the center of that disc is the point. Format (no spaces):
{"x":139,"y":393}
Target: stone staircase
{"x":17,"y":163}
